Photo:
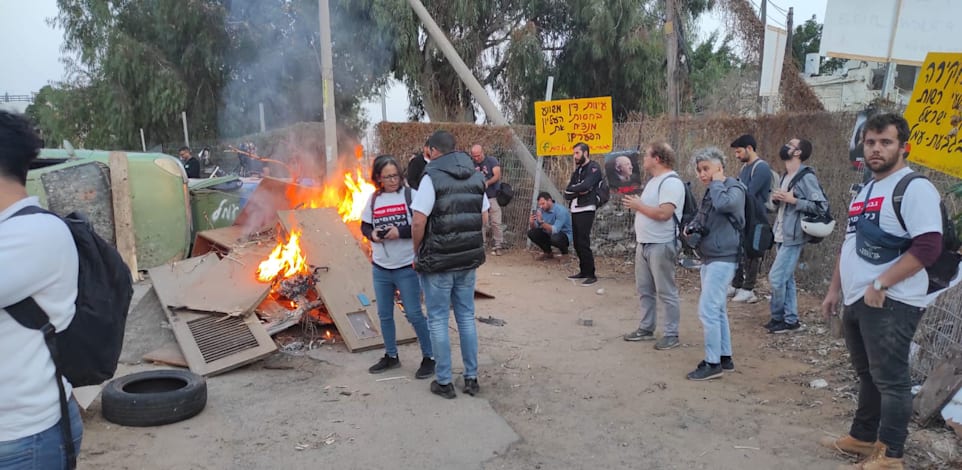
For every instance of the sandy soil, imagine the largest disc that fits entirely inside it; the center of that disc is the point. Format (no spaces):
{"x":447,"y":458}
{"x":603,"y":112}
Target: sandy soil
{"x":576,"y":396}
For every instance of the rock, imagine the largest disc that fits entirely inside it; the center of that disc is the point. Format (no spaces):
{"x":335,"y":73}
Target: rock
{"x":818,"y":383}
{"x":600,"y":291}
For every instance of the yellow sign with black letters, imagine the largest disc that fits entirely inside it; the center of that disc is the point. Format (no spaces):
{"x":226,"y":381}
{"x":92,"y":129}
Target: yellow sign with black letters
{"x":935,"y":114}
{"x":563,"y":123}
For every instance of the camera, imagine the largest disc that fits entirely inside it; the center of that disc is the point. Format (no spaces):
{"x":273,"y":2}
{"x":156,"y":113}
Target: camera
{"x":382,"y":232}
{"x":695,"y":234}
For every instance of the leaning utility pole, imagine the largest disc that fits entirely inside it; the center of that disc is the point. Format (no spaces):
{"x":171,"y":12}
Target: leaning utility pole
{"x":789,"y":50}
{"x":761,"y":50}
{"x":327,"y":90}
{"x":671,"y":51}
{"x":492,"y":111}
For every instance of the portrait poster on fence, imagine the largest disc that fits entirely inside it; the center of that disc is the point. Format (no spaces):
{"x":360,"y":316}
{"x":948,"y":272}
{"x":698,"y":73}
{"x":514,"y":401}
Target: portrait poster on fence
{"x":935,"y":114}
{"x":561,"y":124}
{"x":623,"y":172}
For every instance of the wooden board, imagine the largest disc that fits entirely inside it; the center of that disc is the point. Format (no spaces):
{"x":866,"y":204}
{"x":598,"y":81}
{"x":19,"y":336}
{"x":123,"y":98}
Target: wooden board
{"x":123,"y":211}
{"x":327,"y":242}
{"x":169,"y":354}
{"x":211,"y":343}
{"x":230,"y":285}
{"x":83,"y":188}
{"x":220,"y":240}
{"x":270,"y":196}
{"x":938,"y":389}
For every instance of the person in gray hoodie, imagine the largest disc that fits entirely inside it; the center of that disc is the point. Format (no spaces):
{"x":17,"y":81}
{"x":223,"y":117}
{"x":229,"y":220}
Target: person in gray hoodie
{"x":716,"y":232}
{"x":799,"y":194}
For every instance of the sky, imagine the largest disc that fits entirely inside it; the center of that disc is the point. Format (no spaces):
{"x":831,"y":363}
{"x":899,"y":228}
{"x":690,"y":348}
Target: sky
{"x":30,"y":48}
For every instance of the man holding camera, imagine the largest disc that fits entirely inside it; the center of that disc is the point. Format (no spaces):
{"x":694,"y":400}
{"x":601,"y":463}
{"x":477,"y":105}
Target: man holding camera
{"x":716,"y":234}
{"x":550,"y":225}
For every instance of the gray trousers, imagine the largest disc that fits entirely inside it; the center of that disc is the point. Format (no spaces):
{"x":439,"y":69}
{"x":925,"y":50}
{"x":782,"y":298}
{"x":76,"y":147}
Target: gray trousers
{"x":655,"y":280}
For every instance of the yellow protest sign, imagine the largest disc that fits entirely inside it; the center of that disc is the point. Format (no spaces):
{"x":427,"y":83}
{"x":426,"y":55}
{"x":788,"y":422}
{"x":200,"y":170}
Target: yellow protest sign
{"x":563,"y":123}
{"x":935,"y":114}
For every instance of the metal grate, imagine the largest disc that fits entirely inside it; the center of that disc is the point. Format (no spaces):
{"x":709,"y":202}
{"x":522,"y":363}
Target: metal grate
{"x":939,"y":333}
{"x":220,"y":337}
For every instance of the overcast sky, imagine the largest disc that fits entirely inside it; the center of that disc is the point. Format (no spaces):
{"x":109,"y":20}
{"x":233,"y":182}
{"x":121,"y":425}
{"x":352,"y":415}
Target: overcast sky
{"x":30,"y":48}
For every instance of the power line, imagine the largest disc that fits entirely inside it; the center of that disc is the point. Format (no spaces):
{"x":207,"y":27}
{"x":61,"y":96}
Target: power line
{"x":780,"y":9}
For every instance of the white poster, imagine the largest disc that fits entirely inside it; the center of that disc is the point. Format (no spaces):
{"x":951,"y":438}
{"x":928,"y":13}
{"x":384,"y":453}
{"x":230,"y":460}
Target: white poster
{"x":772,"y":60}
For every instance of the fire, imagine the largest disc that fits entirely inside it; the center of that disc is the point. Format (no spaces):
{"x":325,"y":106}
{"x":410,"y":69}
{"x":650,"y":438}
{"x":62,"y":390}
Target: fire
{"x":349,"y":199}
{"x":285,"y":261}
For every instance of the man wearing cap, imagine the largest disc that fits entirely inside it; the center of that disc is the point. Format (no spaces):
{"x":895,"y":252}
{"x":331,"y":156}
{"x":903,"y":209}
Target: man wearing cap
{"x":756,"y":175}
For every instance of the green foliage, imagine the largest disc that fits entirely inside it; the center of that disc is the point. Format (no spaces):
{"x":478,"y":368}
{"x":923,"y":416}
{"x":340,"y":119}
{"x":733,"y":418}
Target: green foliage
{"x":709,"y":65}
{"x":806,"y":39}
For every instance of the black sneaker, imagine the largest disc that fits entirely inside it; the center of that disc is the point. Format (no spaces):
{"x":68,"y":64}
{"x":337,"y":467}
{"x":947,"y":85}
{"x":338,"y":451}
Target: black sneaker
{"x":640,"y":334}
{"x":706,"y":371}
{"x":727,"y":364}
{"x":577,"y":276}
{"x":770,"y":324}
{"x":471,"y":386}
{"x":386,"y":363}
{"x":783,"y":327}
{"x":426,"y":370}
{"x":589,"y":281}
{"x":446,"y":391}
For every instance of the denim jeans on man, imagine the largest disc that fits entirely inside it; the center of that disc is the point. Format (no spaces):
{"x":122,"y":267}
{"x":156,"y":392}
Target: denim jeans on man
{"x":404,"y":280}
{"x":784,"y":304}
{"x":878,"y":340}
{"x":441,"y":292}
{"x":713,"y":309}
{"x":44,"y":450}
{"x":655,"y":276}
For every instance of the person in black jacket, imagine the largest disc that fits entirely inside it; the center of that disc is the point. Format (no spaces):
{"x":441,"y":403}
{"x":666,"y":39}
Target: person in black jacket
{"x":191,"y":164}
{"x":582,"y":192}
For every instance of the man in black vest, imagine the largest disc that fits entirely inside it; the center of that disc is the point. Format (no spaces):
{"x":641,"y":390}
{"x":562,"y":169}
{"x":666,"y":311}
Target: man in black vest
{"x":450,"y":210}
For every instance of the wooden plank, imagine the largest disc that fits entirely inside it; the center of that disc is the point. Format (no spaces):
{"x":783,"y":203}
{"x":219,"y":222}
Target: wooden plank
{"x":938,"y":389}
{"x":168,"y":354}
{"x":327,"y":242}
{"x":123,"y":211}
{"x":221,"y":240}
{"x":223,"y":343}
{"x":230,"y":285}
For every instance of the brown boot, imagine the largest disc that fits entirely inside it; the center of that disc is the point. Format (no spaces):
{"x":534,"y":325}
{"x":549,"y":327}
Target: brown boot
{"x":849,"y":445}
{"x":878,"y":461}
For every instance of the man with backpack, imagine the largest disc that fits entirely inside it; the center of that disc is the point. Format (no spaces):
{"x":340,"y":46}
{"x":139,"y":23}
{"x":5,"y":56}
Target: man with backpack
{"x":880,"y":280}
{"x":657,"y":214}
{"x":799,"y":194}
{"x":582,"y":191}
{"x":38,"y":259}
{"x":756,"y":175}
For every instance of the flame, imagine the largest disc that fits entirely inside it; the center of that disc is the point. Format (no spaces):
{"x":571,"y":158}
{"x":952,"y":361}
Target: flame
{"x":285,"y":260}
{"x":348,"y":199}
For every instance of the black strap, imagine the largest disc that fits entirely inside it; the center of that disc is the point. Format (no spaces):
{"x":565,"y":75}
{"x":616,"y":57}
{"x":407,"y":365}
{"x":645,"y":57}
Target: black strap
{"x":899,"y":193}
{"x":28,"y":314}
{"x":673,"y":216}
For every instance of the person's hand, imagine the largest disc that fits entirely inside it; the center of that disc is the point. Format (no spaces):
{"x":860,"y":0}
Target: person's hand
{"x":785,"y":196}
{"x":630,"y":202}
{"x":830,"y":304}
{"x":874,"y":298}
{"x":719,"y":175}
{"x":532,"y":219}
{"x":392,"y":233}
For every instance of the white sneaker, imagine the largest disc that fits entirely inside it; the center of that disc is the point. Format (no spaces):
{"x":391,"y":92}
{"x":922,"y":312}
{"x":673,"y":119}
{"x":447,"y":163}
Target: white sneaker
{"x":746,"y":296}
{"x":731,"y":291}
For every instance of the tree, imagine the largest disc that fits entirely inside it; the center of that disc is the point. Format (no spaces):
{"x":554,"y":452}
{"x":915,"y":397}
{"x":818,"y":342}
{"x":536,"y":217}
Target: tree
{"x":709,"y":68}
{"x":807,"y":39}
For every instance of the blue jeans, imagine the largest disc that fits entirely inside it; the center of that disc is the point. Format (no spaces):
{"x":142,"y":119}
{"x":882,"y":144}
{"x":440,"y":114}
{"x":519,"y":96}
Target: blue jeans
{"x":713,"y":309}
{"x":404,"y":280}
{"x":44,"y":450}
{"x":441,"y":292}
{"x":784,"y":304}
{"x":655,"y":278}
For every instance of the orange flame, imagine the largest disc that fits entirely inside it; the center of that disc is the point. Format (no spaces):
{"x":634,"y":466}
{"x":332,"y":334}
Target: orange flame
{"x":285,"y":261}
{"x":349,"y":199}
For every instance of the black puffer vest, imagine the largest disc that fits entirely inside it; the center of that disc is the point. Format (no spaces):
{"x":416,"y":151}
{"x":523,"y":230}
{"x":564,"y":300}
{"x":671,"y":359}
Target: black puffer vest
{"x":453,"y":240}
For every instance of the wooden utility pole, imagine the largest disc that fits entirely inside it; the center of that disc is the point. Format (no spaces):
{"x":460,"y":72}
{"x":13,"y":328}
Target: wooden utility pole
{"x":761,"y":50}
{"x":789,"y":50}
{"x":327,"y":90}
{"x":671,"y":51}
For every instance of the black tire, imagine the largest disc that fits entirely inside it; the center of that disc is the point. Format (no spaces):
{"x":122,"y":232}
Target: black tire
{"x":154,"y":397}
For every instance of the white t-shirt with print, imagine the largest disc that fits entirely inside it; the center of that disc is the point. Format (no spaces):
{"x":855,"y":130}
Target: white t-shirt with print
{"x":391,"y":209}
{"x":648,"y":230}
{"x":424,"y":200}
{"x":920,"y":210}
{"x":780,"y":218}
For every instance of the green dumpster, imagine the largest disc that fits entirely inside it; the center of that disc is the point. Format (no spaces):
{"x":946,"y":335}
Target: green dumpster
{"x":215,"y":202}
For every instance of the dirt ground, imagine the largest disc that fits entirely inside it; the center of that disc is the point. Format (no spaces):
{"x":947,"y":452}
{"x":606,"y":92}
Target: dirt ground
{"x":554,"y":394}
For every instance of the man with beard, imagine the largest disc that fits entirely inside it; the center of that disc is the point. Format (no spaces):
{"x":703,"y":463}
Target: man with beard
{"x":581,"y":191}
{"x":880,"y":280}
{"x":756,"y":175}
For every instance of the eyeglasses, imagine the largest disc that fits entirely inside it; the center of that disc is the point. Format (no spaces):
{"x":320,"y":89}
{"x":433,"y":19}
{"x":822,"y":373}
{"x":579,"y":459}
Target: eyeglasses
{"x":391,"y":177}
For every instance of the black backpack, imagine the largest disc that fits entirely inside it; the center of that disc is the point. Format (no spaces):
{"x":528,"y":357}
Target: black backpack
{"x":505,"y":194}
{"x":946,"y":267}
{"x":757,"y":236}
{"x":688,"y":211}
{"x":602,"y":191}
{"x":87,"y":351}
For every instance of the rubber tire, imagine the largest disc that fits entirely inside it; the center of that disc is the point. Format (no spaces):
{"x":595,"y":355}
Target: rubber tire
{"x":154,"y":397}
